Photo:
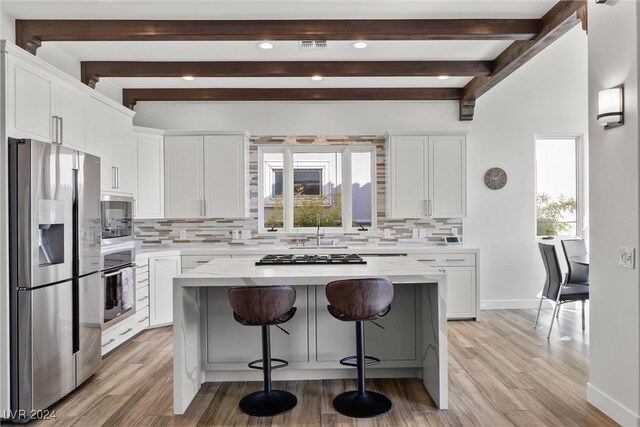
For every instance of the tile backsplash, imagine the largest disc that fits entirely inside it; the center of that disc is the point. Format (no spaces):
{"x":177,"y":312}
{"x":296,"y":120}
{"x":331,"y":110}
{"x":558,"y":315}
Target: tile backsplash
{"x":229,"y":231}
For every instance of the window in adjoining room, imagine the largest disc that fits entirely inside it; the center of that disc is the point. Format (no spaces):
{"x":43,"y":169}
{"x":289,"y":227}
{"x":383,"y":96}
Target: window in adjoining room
{"x":559,"y":186}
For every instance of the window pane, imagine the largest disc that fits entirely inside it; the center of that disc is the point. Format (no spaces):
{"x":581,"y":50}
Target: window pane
{"x":317,"y":189}
{"x":556,"y":187}
{"x":361,"y":190}
{"x":272,"y":189}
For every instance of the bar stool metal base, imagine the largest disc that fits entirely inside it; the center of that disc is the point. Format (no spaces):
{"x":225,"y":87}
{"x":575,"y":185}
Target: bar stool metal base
{"x":367,"y":405}
{"x":261,"y":404}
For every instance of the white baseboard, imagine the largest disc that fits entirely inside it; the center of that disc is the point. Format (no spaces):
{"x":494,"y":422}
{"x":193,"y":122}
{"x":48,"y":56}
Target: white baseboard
{"x":615,"y":410}
{"x":505,"y":304}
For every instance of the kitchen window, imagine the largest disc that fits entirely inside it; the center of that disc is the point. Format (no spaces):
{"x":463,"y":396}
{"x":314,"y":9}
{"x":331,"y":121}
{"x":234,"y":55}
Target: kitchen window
{"x":303,"y":186}
{"x":560,"y":209}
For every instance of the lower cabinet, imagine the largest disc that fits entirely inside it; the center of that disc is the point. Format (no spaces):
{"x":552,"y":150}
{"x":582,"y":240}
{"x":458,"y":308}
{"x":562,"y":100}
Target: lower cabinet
{"x":396,"y":342}
{"x":118,"y":334}
{"x":162,"y":270}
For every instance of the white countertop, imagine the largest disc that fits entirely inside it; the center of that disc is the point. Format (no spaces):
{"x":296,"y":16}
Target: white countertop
{"x":243,"y":271}
{"x":230,"y":250}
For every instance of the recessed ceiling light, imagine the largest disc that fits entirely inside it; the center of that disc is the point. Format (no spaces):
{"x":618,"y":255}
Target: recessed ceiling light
{"x":359,"y":45}
{"x":443,"y":77}
{"x":316,"y":78}
{"x":266,"y":45}
{"x":189,"y":78}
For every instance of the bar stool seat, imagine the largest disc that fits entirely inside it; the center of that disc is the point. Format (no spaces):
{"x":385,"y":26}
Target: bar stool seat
{"x":265,"y":306}
{"x":360,"y":300}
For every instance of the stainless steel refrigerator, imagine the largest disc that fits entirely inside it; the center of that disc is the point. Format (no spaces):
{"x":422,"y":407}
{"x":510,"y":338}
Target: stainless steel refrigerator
{"x":54,"y":236}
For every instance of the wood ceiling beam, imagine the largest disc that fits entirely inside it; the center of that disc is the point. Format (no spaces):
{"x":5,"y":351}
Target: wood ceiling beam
{"x":30,"y":33}
{"x":93,"y":70}
{"x":556,"y":22}
{"x":132,"y":96}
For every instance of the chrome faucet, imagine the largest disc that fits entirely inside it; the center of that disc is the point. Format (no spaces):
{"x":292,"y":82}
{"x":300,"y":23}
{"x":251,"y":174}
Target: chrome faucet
{"x":318,"y":230}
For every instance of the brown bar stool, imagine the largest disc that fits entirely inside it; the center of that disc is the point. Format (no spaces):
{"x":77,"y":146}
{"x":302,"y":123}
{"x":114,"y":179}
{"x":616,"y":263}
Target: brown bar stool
{"x":265,"y":306}
{"x":356,"y":301}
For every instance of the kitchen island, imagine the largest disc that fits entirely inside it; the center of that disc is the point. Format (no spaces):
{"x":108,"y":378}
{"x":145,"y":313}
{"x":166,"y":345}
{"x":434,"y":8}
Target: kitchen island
{"x":210,"y":346}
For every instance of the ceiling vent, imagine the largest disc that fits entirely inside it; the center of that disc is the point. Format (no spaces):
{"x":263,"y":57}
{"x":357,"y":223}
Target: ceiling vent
{"x":312,"y":44}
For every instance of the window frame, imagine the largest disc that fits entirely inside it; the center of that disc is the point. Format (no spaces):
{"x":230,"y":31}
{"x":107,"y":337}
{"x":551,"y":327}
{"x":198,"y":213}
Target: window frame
{"x":287,"y":187}
{"x":581,"y":182}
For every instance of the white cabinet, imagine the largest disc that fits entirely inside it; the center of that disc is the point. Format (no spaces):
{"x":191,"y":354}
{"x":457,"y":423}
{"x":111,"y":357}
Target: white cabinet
{"x":41,"y":106}
{"x":149,"y":172}
{"x":206,"y":176}
{"x":225,"y":171}
{"x":183,"y":176}
{"x":111,"y":132}
{"x":426,"y":176}
{"x":462,"y":282}
{"x":162,"y":270}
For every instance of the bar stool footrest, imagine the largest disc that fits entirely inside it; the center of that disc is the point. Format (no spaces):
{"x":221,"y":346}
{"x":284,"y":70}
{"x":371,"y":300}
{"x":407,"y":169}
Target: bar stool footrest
{"x":353,"y":361}
{"x":257,"y":364}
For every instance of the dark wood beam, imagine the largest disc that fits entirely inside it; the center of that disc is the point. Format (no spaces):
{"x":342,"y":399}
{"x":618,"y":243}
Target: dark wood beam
{"x":132,"y":96}
{"x":556,"y":22}
{"x":31,"y":32}
{"x":93,"y":70}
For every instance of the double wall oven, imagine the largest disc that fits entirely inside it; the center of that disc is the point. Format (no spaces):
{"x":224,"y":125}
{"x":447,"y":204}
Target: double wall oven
{"x":118,"y":259}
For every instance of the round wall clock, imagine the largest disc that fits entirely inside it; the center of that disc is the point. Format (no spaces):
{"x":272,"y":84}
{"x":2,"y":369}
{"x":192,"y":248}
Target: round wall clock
{"x":495,"y":178}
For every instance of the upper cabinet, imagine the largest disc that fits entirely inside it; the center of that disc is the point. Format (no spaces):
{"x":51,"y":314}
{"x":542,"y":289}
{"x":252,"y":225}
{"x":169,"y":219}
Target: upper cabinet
{"x":111,"y":133}
{"x":41,"y":106}
{"x":149,"y":170}
{"x":206,"y":176}
{"x":426,"y":176}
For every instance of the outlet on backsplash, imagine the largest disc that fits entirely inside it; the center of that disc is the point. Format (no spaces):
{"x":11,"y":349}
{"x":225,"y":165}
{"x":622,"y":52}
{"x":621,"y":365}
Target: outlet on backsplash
{"x":246,"y":234}
{"x":387,"y":233}
{"x":183,"y":234}
{"x":235,"y":234}
{"x":422,"y":233}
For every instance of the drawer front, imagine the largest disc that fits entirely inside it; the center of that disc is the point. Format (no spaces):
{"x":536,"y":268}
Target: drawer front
{"x":193,"y":261}
{"x":446,"y":260}
{"x":142,"y":319}
{"x":142,"y":297}
{"x":142,"y":280}
{"x":118,"y":334}
{"x":142,"y":271}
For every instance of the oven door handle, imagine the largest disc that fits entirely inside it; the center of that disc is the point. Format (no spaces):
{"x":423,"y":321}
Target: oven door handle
{"x":115,"y":273}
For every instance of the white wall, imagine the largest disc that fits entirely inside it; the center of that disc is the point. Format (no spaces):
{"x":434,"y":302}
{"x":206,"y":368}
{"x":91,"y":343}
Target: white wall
{"x":547,"y":95}
{"x":614,"y":365}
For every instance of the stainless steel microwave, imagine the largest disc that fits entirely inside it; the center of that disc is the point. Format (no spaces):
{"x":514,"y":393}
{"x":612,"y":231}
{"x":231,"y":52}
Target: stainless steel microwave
{"x":117,"y":218}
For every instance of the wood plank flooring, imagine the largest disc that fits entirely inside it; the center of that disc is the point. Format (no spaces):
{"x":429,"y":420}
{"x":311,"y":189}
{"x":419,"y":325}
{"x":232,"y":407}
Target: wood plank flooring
{"x":502,"y":373}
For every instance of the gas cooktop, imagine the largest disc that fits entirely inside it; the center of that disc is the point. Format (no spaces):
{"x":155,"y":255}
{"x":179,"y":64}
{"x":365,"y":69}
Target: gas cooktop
{"x":311,"y":259}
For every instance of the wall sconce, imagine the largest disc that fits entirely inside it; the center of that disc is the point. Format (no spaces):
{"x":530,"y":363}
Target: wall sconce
{"x":611,"y":107}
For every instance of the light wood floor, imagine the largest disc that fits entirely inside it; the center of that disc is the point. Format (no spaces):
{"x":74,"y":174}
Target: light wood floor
{"x":502,"y":373}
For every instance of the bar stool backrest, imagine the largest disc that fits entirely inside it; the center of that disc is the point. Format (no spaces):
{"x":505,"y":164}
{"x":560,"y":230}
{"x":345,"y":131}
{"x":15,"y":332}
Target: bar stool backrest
{"x":262,"y":305}
{"x":359,"y":299}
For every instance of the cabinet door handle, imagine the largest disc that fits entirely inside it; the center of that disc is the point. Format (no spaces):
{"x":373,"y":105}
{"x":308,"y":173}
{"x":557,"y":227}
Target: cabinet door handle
{"x":61,"y":130}
{"x":202,"y":213}
{"x":142,"y":281}
{"x":113,"y":177}
{"x":425,"y":207}
{"x":110,"y":341}
{"x":427,"y":260}
{"x":201,"y":262}
{"x":430,"y":208}
{"x":117,"y":176}
{"x":146,"y":318}
{"x":454,"y":259}
{"x":56,"y":124}
{"x":142,"y":299}
{"x":126,"y":332}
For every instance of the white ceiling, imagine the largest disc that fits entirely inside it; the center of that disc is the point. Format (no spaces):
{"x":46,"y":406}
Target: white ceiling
{"x":284,"y":50}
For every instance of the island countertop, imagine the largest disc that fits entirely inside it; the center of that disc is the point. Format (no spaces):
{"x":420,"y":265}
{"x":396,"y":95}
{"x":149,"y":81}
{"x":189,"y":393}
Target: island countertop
{"x":243,"y":271}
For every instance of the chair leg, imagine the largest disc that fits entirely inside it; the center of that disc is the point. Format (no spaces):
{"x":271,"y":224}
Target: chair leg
{"x":558,"y":313}
{"x":553,"y":317}
{"x":361,"y":403}
{"x":583,"y":315}
{"x":268,"y":402}
{"x":538,"y":315}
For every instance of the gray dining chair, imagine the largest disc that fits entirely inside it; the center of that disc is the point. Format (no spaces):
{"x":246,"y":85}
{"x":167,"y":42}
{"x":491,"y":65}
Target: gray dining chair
{"x":578,"y":273}
{"x":555,"y":288}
